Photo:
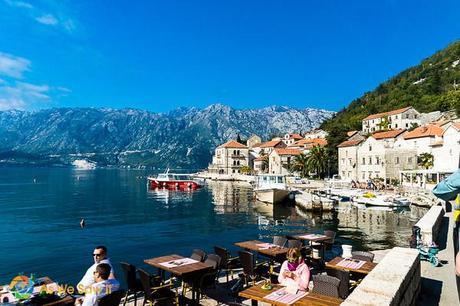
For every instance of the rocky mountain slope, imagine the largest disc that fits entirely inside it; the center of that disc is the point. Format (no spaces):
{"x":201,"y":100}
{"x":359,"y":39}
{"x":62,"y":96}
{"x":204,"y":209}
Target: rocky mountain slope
{"x":183,"y":138}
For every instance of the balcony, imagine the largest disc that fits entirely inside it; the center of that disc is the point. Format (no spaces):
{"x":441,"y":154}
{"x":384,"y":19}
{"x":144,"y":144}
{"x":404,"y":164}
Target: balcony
{"x":239,"y":156}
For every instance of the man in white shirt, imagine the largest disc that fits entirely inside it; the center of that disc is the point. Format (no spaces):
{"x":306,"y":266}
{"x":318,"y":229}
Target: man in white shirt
{"x":101,"y":287}
{"x":99,"y":256}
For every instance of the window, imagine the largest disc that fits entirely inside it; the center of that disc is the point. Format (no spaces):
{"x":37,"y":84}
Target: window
{"x":396,"y":125}
{"x":397,"y":160}
{"x":407,"y":125}
{"x":370,"y":148}
{"x":377,"y":160}
{"x":343,"y":161}
{"x":349,"y":161}
{"x":407,"y":116}
{"x":396,"y":117}
{"x":409,"y":160}
{"x":370,"y":160}
{"x":364,"y":161}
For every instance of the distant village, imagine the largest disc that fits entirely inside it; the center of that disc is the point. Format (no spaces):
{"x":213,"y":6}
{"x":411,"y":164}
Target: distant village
{"x":402,"y":145}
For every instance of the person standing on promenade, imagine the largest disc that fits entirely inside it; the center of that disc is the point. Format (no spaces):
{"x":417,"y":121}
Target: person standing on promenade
{"x":449,"y":190}
{"x":99,"y":257}
{"x":101,"y":287}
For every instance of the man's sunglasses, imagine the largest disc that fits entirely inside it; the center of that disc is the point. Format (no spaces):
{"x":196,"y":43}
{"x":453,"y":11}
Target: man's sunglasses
{"x":97,"y":255}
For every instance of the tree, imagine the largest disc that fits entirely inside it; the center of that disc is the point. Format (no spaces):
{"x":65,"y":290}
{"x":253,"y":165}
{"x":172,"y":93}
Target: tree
{"x":245,"y":170}
{"x":317,"y":160}
{"x":238,"y":139}
{"x":265,"y":163}
{"x":300,"y":164}
{"x":425,"y":160}
{"x":384,"y":123}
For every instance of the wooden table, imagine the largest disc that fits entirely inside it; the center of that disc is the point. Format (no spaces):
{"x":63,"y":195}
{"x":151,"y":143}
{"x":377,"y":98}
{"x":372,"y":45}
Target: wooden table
{"x":65,"y":301}
{"x":252,"y":245}
{"x":256,"y":293}
{"x":365,"y":269}
{"x":182,"y":271}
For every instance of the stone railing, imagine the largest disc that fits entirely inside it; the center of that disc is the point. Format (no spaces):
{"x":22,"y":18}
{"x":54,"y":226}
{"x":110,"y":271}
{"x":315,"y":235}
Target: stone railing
{"x":429,"y":224}
{"x":394,"y":281}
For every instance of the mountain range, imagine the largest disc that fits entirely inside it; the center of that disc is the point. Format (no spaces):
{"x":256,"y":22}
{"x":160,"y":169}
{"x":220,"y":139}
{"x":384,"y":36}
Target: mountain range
{"x":183,"y":138}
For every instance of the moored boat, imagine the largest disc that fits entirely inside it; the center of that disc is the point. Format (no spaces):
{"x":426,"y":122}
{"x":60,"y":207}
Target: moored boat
{"x":371,"y":199}
{"x":173,"y":181}
{"x":271,"y":188}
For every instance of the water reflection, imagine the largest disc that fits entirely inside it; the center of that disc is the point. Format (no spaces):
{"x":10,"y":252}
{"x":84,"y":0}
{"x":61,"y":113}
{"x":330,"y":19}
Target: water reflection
{"x":230,"y":197}
{"x":170,"y":196}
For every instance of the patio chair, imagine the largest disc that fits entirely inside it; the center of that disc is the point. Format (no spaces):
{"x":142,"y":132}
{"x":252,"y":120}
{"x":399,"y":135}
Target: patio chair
{"x":112,"y":299}
{"x":154,"y":291}
{"x":132,"y":282}
{"x":198,"y":254}
{"x":344,"y":277}
{"x":250,"y":269}
{"x":326,"y":285}
{"x":227,"y":263}
{"x":209,"y":279}
{"x":329,"y":243}
{"x":279,"y":241}
{"x":361,"y":255}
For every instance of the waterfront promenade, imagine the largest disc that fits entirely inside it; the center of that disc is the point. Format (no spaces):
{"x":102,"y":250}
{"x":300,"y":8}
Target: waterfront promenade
{"x":439,"y":284}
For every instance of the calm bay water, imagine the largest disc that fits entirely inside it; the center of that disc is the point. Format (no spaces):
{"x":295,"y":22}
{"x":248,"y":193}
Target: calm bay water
{"x":40,"y":232}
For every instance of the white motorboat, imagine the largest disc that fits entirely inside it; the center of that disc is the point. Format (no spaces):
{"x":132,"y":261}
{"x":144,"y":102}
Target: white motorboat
{"x":270,"y":188}
{"x":371,"y":199}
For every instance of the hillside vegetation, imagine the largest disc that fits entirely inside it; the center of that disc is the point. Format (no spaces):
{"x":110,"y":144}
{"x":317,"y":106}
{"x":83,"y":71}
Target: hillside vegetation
{"x":433,"y":85}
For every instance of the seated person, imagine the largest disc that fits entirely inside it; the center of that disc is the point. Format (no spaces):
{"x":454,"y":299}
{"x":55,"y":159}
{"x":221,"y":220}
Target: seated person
{"x":294,"y":271}
{"x":99,"y":256}
{"x":101,"y":287}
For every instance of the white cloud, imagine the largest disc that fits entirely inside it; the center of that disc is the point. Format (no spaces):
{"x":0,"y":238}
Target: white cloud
{"x":13,"y":66}
{"x":20,"y":4}
{"x":21,"y":95}
{"x":47,"y":19}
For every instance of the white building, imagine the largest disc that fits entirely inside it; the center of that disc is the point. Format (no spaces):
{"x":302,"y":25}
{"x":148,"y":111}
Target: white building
{"x":289,"y":139}
{"x":403,"y":118}
{"x":280,"y":160}
{"x":348,"y":158}
{"x":267,"y":147}
{"x":317,"y":133}
{"x":229,"y":158}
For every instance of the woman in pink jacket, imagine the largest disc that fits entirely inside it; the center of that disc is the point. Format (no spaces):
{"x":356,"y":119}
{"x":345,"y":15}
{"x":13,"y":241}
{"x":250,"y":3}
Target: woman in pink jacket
{"x":294,"y":271}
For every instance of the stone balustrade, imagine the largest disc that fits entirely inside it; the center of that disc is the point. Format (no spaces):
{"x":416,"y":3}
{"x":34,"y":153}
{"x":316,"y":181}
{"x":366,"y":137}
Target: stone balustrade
{"x":394,"y":281}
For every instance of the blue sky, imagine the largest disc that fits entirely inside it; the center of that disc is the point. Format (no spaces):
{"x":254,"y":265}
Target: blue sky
{"x":159,"y":55}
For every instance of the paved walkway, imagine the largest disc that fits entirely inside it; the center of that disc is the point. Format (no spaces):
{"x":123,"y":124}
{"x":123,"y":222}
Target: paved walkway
{"x":439,"y":283}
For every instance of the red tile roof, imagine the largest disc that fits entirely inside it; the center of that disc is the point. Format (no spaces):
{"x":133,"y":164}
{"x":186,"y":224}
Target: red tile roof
{"x":233,"y":144}
{"x":288,"y":152}
{"x":315,"y":141}
{"x":388,"y":134}
{"x":351,"y":133}
{"x":393,"y":112}
{"x":295,"y":136}
{"x":261,"y":158}
{"x":350,"y":143}
{"x":270,"y":144}
{"x":429,"y":130}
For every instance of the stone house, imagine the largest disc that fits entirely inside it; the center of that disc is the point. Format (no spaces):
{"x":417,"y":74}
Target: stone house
{"x":280,"y":160}
{"x":402,"y":118}
{"x":229,"y":158}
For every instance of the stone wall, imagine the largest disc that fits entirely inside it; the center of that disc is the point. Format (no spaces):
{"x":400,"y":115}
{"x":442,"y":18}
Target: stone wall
{"x":429,"y":224}
{"x":394,"y":281}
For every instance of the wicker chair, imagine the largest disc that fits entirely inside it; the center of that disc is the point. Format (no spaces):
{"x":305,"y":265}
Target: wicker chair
{"x":344,"y":277}
{"x":326,"y":285}
{"x":154,"y":291}
{"x":330,"y":242}
{"x":132,"y":282}
{"x":279,"y":241}
{"x":112,"y":299}
{"x":198,"y":254}
{"x":361,"y":255}
{"x":227,"y":263}
{"x":250,"y":269}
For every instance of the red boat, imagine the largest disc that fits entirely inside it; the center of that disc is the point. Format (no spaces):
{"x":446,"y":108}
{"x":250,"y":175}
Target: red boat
{"x":173,"y":181}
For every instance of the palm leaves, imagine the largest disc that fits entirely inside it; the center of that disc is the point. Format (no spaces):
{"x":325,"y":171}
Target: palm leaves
{"x":426,"y":160}
{"x":315,"y":161}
